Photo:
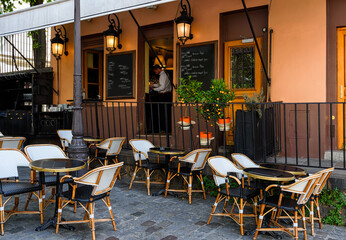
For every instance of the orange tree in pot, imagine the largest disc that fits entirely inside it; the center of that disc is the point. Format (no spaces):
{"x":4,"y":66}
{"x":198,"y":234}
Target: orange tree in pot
{"x":189,"y":93}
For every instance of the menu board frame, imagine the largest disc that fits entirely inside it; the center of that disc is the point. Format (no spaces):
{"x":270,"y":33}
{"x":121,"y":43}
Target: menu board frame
{"x":133,"y":53}
{"x":215,"y":43}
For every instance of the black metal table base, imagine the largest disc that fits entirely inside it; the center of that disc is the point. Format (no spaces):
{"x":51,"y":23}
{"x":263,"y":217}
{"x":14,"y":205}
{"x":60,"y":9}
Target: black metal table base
{"x":162,"y":191}
{"x":265,"y":224}
{"x":52,"y":222}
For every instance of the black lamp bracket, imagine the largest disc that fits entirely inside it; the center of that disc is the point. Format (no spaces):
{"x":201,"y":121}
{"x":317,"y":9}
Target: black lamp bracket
{"x":62,"y":35}
{"x":115,"y":26}
{"x":184,"y":8}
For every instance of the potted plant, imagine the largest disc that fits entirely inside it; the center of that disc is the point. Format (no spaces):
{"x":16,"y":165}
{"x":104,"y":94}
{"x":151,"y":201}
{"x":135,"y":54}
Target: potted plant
{"x":250,"y":127}
{"x":215,"y":100}
{"x":189,"y":92}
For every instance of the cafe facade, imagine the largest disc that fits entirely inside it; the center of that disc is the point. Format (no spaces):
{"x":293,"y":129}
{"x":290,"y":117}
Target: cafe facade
{"x":299,"y":59}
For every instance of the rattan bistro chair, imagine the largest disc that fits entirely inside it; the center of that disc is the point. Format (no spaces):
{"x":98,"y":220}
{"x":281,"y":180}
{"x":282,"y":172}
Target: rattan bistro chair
{"x":325,"y":174}
{"x":44,"y":151}
{"x":93,"y":186}
{"x":196,"y":160}
{"x":12,"y":142}
{"x":220,"y":167}
{"x":291,"y":200}
{"x":140,"y":148}
{"x":65,"y":136}
{"x":10,"y":160}
{"x":111,"y":147}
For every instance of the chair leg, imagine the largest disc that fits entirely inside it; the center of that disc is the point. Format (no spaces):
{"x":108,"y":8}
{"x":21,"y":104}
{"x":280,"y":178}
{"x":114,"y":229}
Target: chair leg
{"x":312,"y":216}
{"x":214,"y":207}
{"x":86,"y":213}
{"x":133,"y":177}
{"x":202,"y":184}
{"x":167,"y":183}
{"x":241,"y":209}
{"x":295,"y":224}
{"x":59,"y":215}
{"x":148,"y":181}
{"x":40,"y":205}
{"x":92,"y":220}
{"x":260,"y":220}
{"x":111,"y":213}
{"x":115,"y":160}
{"x":255,"y":208}
{"x":27,"y":201}
{"x":318,"y":212}
{"x":2,"y":216}
{"x":190,"y":188}
{"x":75,"y":207}
{"x":304,"y":222}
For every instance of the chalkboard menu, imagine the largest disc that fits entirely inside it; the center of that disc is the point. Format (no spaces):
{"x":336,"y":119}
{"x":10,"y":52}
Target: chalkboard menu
{"x":198,"y":61}
{"x":120,"y":75}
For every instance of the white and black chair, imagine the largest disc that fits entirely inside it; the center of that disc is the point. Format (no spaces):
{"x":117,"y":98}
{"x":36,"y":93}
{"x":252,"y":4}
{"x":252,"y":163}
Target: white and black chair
{"x":44,"y":151}
{"x":12,"y":142}
{"x":290,"y":201}
{"x":93,"y":186}
{"x":221,"y":167}
{"x":107,"y":150}
{"x":65,"y":136}
{"x":10,"y":160}
{"x":140,"y":149}
{"x":195,"y":162}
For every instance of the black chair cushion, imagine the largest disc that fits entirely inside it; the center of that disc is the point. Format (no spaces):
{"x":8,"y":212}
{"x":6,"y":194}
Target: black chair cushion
{"x":14,"y":188}
{"x":83,"y":194}
{"x":149,"y":165}
{"x":247,"y":193}
{"x":287,"y":203}
{"x":186,"y":171}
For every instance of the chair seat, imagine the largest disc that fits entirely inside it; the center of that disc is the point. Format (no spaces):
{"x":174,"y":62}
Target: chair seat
{"x":184,"y":171}
{"x":14,"y":188}
{"x":83,"y":194}
{"x":287,"y":204}
{"x":151,"y":166}
{"x":247,"y":193}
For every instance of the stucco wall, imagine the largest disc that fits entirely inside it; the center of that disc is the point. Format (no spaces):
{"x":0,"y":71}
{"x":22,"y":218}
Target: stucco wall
{"x":299,"y":42}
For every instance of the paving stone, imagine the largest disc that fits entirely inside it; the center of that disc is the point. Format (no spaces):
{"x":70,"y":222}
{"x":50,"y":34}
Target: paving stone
{"x":148,"y":223}
{"x":137,"y":214}
{"x":200,"y":223}
{"x":169,"y":237}
{"x":153,"y":229}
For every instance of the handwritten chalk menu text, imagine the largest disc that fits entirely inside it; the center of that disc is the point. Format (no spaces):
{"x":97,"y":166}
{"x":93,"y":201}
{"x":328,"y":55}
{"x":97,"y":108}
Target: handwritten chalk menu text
{"x":199,"y":63}
{"x":120,"y":76}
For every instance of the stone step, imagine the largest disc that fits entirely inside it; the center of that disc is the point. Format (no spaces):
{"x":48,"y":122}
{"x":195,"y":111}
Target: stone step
{"x":338,"y":155}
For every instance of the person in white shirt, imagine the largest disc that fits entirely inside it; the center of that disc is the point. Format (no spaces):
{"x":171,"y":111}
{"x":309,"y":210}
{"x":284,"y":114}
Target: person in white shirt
{"x":164,"y":85}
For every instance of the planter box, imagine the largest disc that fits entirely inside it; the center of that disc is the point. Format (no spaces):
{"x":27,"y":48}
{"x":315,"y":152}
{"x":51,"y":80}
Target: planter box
{"x":253,"y":135}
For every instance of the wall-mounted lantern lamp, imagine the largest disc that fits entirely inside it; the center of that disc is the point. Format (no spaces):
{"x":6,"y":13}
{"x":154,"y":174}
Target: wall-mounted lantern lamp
{"x":112,"y":34}
{"x":184,"y":22}
{"x":58,"y":43}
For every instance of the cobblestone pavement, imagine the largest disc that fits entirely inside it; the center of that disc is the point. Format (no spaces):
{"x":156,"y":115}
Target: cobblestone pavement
{"x":139,"y":216}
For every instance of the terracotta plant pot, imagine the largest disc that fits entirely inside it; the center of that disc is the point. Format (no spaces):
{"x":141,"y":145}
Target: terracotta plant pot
{"x":224,"y":121}
{"x":205,"y":134}
{"x":186,"y":119}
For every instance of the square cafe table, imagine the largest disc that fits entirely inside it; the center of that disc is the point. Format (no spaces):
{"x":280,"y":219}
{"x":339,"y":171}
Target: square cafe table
{"x":57,"y":166}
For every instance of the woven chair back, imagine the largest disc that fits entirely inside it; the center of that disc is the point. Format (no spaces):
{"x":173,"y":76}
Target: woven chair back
{"x":65,"y":134}
{"x":221,"y":166}
{"x":12,"y":142}
{"x":304,"y":187}
{"x":10,"y":160}
{"x":242,"y":161}
{"x":102,"y":178}
{"x":140,"y":148}
{"x":113,"y":145}
{"x":325,"y":174}
{"x":44,"y":151}
{"x":198,"y":158}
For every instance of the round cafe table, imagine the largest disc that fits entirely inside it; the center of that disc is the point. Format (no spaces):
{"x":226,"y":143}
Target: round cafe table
{"x":57,"y":166}
{"x":296,"y":171}
{"x":168,"y":152}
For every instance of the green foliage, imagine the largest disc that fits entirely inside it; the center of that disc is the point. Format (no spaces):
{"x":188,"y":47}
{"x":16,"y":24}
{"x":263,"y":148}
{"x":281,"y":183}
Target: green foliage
{"x":212,"y":189}
{"x":252,"y":102}
{"x":9,"y":5}
{"x":337,"y":200}
{"x":189,"y":91}
{"x":215,"y":100}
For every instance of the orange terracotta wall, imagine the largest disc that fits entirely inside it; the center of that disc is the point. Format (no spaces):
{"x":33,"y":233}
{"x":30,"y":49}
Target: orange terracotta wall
{"x":299,"y":42}
{"x":299,"y":50}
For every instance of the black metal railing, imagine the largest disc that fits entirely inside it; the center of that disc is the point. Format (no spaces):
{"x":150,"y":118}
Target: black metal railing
{"x":302,"y":134}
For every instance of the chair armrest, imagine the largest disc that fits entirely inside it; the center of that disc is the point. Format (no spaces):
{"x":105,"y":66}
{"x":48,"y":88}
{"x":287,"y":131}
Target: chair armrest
{"x":236,"y":179}
{"x":85,"y":183}
{"x":65,"y":177}
{"x":271,"y":186}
